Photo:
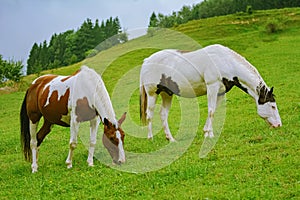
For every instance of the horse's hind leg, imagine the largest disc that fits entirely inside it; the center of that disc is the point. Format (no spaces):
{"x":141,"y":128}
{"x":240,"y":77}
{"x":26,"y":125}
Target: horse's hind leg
{"x":150,"y":111}
{"x":73,"y":142}
{"x":33,"y":145}
{"x":94,"y":123}
{"x":43,"y":132}
{"x":164,"y":113}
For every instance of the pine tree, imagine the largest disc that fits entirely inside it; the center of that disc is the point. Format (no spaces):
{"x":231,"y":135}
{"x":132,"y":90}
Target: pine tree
{"x":33,"y":60}
{"x":153,"y":20}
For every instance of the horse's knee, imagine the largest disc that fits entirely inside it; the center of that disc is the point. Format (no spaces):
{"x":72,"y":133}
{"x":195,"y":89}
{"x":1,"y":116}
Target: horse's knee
{"x":73,"y":145}
{"x":33,"y":144}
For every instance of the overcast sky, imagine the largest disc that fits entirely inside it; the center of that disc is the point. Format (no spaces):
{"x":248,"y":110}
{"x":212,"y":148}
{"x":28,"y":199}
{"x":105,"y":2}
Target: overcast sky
{"x":24,"y":22}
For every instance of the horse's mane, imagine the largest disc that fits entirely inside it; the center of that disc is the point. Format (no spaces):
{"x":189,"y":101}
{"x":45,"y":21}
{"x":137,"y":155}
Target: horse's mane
{"x":249,"y":67}
{"x":107,"y":110}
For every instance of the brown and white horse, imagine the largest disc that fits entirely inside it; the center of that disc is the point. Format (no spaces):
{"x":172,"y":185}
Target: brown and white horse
{"x":210,"y":71}
{"x":67,"y":101}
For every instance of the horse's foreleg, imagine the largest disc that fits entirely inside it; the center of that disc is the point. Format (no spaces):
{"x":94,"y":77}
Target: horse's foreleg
{"x":73,"y":142}
{"x":150,"y":111}
{"x":33,"y":146}
{"x":94,"y":124}
{"x":212,"y":94}
{"x":164,"y":113}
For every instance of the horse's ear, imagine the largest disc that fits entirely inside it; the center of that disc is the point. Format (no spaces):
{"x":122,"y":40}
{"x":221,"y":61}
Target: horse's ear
{"x":106,"y":122}
{"x":271,"y":90}
{"x":121,"y":120}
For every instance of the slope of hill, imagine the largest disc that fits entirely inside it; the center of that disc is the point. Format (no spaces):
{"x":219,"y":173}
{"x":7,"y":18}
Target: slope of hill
{"x":250,"y":160}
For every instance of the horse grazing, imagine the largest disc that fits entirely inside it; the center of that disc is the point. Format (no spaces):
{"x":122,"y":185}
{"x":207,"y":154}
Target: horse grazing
{"x":67,"y":101}
{"x":212,"y":70}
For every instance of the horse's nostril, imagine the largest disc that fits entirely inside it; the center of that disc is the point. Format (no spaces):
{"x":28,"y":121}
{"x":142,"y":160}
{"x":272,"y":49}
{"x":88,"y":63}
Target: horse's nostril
{"x":277,"y":126}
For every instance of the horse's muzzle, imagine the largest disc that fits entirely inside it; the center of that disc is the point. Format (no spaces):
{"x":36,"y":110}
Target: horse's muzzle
{"x":276,"y":125}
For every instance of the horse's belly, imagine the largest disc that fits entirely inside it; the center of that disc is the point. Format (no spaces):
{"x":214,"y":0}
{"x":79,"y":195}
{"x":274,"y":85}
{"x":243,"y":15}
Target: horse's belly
{"x":181,"y":82}
{"x":192,"y":90}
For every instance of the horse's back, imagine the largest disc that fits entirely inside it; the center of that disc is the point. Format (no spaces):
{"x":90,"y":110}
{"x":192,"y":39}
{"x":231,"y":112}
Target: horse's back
{"x":186,"y":69}
{"x":48,"y":96}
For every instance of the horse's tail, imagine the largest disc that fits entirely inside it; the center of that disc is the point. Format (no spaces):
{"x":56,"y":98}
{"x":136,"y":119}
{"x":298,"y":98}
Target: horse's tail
{"x":25,"y":131}
{"x":143,"y":105}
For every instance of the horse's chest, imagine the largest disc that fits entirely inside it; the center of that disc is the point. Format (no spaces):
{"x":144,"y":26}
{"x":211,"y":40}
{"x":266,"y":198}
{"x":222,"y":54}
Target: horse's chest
{"x":83,"y":110}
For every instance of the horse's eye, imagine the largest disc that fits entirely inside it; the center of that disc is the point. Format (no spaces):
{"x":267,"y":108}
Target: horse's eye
{"x":273,"y":107}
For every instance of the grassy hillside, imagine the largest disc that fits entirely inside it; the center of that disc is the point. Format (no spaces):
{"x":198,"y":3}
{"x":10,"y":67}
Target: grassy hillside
{"x":250,"y":160}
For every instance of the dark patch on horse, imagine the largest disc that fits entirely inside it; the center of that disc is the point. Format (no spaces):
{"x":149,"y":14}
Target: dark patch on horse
{"x":56,"y":108}
{"x":43,"y":132}
{"x":235,"y":82}
{"x":42,"y":81}
{"x":265,"y":95}
{"x":167,"y":85}
{"x":64,"y":79}
{"x":83,"y":111}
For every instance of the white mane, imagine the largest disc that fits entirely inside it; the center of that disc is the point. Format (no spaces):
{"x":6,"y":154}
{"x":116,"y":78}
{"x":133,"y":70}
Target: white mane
{"x":246,"y":63}
{"x":248,"y":66}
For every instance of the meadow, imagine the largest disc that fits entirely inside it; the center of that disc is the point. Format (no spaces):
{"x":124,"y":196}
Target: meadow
{"x":249,"y":161}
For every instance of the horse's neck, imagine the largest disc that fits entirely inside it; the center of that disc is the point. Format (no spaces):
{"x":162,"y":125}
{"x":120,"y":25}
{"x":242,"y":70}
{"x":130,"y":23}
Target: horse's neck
{"x":247,"y":75}
{"x":101,"y":99}
{"x":103,"y":103}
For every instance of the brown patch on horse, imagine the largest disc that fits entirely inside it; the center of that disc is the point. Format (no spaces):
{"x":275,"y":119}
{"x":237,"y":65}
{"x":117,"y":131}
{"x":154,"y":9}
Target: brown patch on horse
{"x":64,"y":79}
{"x":57,"y":107}
{"x":109,"y":139}
{"x":110,"y":130}
{"x":43,"y":132}
{"x":33,"y":93}
{"x":83,"y":111}
{"x":167,"y":85}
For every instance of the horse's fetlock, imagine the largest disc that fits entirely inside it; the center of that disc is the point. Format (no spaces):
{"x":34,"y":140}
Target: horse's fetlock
{"x":73,"y":145}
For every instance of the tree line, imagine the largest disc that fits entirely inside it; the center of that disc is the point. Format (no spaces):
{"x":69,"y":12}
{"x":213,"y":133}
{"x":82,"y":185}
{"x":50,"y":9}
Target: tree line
{"x":10,"y":70}
{"x":212,"y":8}
{"x":72,"y":46}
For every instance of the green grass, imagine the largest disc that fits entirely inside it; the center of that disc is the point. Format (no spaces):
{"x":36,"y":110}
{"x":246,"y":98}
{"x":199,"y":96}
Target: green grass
{"x":249,"y":161}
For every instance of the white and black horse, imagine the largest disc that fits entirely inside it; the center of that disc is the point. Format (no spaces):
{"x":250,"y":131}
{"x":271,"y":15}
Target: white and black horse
{"x":210,"y":71}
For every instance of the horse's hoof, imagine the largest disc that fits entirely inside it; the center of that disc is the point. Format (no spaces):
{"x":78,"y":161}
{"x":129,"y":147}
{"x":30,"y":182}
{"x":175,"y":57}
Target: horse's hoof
{"x":69,"y":165}
{"x":150,"y":137}
{"x":171,"y":139}
{"x":91,"y":164}
{"x":34,"y":168}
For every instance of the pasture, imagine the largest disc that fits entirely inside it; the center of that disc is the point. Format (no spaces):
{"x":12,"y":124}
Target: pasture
{"x":249,"y":161}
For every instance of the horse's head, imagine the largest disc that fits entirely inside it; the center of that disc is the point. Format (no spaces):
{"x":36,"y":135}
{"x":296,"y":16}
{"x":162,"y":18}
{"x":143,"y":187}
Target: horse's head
{"x":113,"y":140}
{"x":267,"y":108}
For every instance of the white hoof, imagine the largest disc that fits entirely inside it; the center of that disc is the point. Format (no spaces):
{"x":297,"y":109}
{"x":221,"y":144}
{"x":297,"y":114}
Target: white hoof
{"x":69,"y":165}
{"x":34,"y":171}
{"x":34,"y":168}
{"x":150,"y":137}
{"x":91,"y":164}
